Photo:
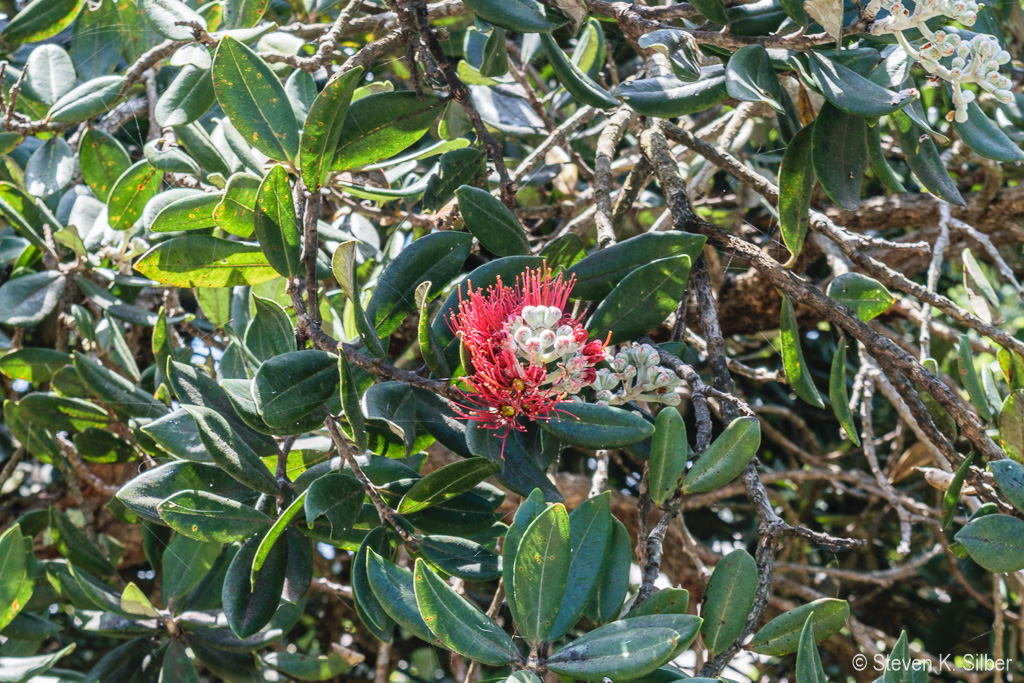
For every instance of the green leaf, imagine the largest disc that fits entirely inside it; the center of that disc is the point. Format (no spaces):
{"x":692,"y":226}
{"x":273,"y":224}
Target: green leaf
{"x":176,"y":666}
{"x":880,"y":165}
{"x":923,"y":158}
{"x":15,"y":669}
{"x":370,"y":610}
{"x":665,"y":97}
{"x":275,"y":224}
{"x":185,"y":562}
{"x":116,"y":391}
{"x":969,"y":377}
{"x":1009,"y":475}
{"x":130,"y":194}
{"x":343,"y":264}
{"x":337,"y":496}
{"x":839,"y":154}
{"x":457,"y":624}
{"x":726,"y":457}
{"x":808,"y":663}
{"x":102,"y":160}
{"x":713,"y":11}
{"x":39,"y":20}
{"x":1011,"y":426}
{"x":194,"y":212}
{"x":380,"y":126}
{"x":187,"y":97}
{"x":598,"y":274}
{"x":143,"y":494}
{"x":457,"y":168}
{"x":520,"y":471}
{"x":866,"y":296}
{"x":446,"y":483}
{"x":248,"y":606}
{"x":461,"y":558}
{"x":50,"y":168}
{"x":613,"y":580}
{"x":680,"y":49}
{"x":164,"y":16}
{"x":435,"y":258}
{"x":205,"y":261}
{"x":541,"y":574}
{"x":581,"y":86}
{"x":206,"y":516}
{"x":750,"y":77}
{"x":254,"y":99}
{"x":796,"y":182}
{"x":642,"y":300}
{"x":33,"y":364}
{"x":293,"y":385}
{"x":273,"y":534}
{"x":793,"y":357}
{"x":306,"y":667}
{"x":995,"y":542}
{"x":521,"y":16}
{"x":15,"y":583}
{"x":625,"y":649}
{"x":87,"y":100}
{"x":851,"y":92}
{"x":594,"y":426}
{"x":669,"y":451}
{"x":430,"y":345}
{"x":781,"y":635}
{"x":900,"y":653}
{"x":324,"y":126}
{"x":390,"y":409}
{"x":491,"y":222}
{"x":728,"y":599}
{"x":236,"y":212}
{"x":838,"y":395}
{"x":230,"y":452}
{"x":243,"y":14}
{"x":981,"y":297}
{"x":351,"y":403}
{"x":394,"y":588}
{"x":49,"y":74}
{"x":26,"y":301}
{"x":982,"y":135}
{"x":590,"y":531}
{"x":664,"y":601}
{"x":951,"y":496}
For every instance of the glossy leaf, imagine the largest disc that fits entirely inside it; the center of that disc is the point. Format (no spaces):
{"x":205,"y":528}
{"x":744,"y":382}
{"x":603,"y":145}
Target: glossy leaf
{"x":839,"y":154}
{"x":208,"y":517}
{"x":679,"y":47}
{"x":951,"y":496}
{"x":249,"y":606}
{"x":337,"y":496}
{"x":290,"y":386}
{"x":796,"y":181}
{"x":669,"y":451}
{"x":581,"y":86}
{"x":750,"y":77}
{"x":613,"y":581}
{"x":541,"y":573}
{"x":642,"y":300}
{"x":461,"y":558}
{"x":102,"y":160}
{"x":90,"y":99}
{"x":230,"y":452}
{"x":866,"y":296}
{"x":456,"y":624}
{"x":995,"y":542}
{"x":184,"y":564}
{"x":521,"y":16}
{"x":15,"y":582}
{"x":728,"y":599}
{"x":446,"y":483}
{"x":726,"y":457}
{"x":130,"y":193}
{"x":382,"y":125}
{"x":275,"y":225}
{"x":598,"y":274}
{"x":851,"y":92}
{"x":491,"y":222}
{"x":41,"y":19}
{"x":205,"y":261}
{"x":808,"y":663}
{"x":394,"y":588}
{"x":923,"y":158}
{"x":590,"y":531}
{"x":981,"y":296}
{"x":665,"y":97}
{"x":793,"y":357}
{"x":594,"y":426}
{"x":982,"y":135}
{"x":1011,"y":426}
{"x":164,"y":16}
{"x":781,"y":635}
{"x":324,"y":126}
{"x":255,"y":101}
{"x":187,"y":98}
{"x":26,"y":301}
{"x":838,"y":395}
{"x":969,"y":378}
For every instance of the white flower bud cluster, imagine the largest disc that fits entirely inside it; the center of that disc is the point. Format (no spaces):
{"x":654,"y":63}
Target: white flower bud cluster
{"x":636,"y":375}
{"x":974,"y":61}
{"x":537,"y":336}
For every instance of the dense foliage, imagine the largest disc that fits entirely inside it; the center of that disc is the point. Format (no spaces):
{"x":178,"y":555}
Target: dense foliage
{"x":487,"y":339}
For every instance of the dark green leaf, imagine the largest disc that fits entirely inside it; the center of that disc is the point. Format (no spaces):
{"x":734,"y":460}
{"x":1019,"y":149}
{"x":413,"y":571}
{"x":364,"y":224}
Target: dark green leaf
{"x":521,"y":16}
{"x":597,"y":274}
{"x":337,"y":496}
{"x":292,"y":385}
{"x":250,"y":606}
{"x":982,"y":135}
{"x":33,"y":364}
{"x":117,"y":392}
{"x":445,"y":483}
{"x":590,"y":531}
{"x":613,"y":580}
{"x":230,"y":452}
{"x":380,"y":126}
{"x":594,"y":426}
{"x":254,"y":99}
{"x":995,"y":542}
{"x":275,"y":224}
{"x":666,"y":97}
{"x":457,"y":624}
{"x":371,"y":612}
{"x":176,"y":666}
{"x":461,"y":558}
{"x":969,"y":378}
{"x":713,"y":11}
{"x":728,"y":599}
{"x":851,"y":92}
{"x":325,"y":125}
{"x":185,"y":563}
{"x":839,"y":154}
{"x":1009,"y":475}
{"x":750,"y":77}
{"x":541,"y":573}
{"x":781,"y":635}
{"x":187,"y":98}
{"x":457,"y":168}
{"x":87,"y":100}
{"x":951,"y":496}
{"x":642,"y":300}
{"x":679,"y":47}
{"x":838,"y":395}
{"x":923,"y":158}
{"x":796,"y":181}
{"x":394,"y":588}
{"x":669,"y":451}
{"x":236,"y":212}
{"x":208,"y":517}
{"x":15,"y":582}
{"x":50,"y":168}
{"x":306,"y":667}
{"x":879,"y":163}
{"x":143,"y":494}
{"x":491,"y":222}
{"x":808,"y":663}
{"x":26,"y":301}
{"x":581,"y":86}
{"x":726,"y":457}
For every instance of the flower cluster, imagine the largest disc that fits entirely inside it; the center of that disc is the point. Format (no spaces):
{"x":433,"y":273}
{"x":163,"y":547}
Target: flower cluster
{"x":636,"y":375}
{"x":975,"y":61}
{"x":527,"y":355}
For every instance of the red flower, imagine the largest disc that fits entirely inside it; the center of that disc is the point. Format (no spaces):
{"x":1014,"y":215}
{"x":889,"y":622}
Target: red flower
{"x":526,"y":354}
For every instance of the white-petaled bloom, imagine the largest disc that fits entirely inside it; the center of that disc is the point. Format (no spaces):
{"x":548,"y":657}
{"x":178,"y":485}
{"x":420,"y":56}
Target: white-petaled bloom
{"x":636,"y":374}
